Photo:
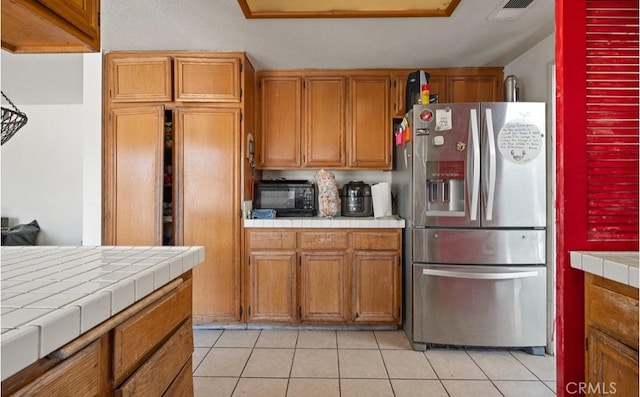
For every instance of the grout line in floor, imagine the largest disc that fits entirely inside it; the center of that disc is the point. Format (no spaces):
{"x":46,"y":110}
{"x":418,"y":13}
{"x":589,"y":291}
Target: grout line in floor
{"x":379,"y":349}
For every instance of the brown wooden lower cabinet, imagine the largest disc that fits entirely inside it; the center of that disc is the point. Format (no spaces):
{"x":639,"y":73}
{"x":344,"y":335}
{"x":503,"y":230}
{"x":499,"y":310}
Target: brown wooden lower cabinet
{"x":157,"y":373}
{"x":376,"y":281}
{"x":145,"y":350}
{"x":613,"y":366}
{"x":324,"y":276}
{"x":272,"y":286}
{"x":324,"y":285}
{"x":611,"y":330}
{"x":86,"y":373}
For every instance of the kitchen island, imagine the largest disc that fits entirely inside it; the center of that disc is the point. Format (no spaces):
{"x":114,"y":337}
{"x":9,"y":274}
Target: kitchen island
{"x":97,"y":320}
{"x":611,"y":321}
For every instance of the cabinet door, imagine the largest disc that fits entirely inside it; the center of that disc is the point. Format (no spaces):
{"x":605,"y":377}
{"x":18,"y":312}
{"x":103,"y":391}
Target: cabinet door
{"x":612,"y":367}
{"x":473,"y":89}
{"x":437,"y":86}
{"x":272,"y":287}
{"x":133,"y":176}
{"x":83,"y":14}
{"x":370,"y":128}
{"x":207,"y":179}
{"x":324,"y":124}
{"x":279,"y":122}
{"x":207,"y":79}
{"x":376,"y":287}
{"x":140,"y":79}
{"x":324,"y":286}
{"x":398,"y":94}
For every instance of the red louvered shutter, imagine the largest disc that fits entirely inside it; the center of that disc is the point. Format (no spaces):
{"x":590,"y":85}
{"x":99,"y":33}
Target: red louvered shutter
{"x":597,"y":155}
{"x":612,"y":120}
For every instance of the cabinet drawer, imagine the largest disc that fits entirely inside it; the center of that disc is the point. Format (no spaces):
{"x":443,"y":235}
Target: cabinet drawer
{"x":324,"y":240}
{"x":137,"y":337}
{"x":160,"y":370}
{"x":271,"y":239}
{"x":611,"y":311}
{"x":83,"y":374}
{"x":182,"y":386}
{"x":379,"y":241}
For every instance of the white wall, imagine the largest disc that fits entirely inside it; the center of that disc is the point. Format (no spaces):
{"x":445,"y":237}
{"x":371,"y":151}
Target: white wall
{"x":531,"y":70}
{"x":51,"y":169}
{"x":92,"y":151}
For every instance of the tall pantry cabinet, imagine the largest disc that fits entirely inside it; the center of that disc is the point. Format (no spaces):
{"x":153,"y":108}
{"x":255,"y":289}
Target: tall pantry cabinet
{"x":175,"y":169}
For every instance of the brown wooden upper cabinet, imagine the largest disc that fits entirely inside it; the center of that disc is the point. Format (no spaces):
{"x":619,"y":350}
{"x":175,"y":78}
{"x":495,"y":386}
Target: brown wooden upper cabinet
{"x":452,"y":85}
{"x":279,"y":121}
{"x":140,"y":79}
{"x":52,"y":26}
{"x":207,"y":79}
{"x":485,"y":88}
{"x":145,"y":78}
{"x":370,"y":126}
{"x":324,"y":121}
{"x":317,"y":119}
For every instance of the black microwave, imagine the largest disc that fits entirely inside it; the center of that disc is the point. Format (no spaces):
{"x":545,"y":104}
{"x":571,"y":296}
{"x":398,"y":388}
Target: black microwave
{"x":287,"y":197}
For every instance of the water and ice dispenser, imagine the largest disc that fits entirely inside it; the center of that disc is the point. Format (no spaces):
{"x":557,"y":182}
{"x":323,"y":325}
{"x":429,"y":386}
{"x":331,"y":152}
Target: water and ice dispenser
{"x":445,"y":188}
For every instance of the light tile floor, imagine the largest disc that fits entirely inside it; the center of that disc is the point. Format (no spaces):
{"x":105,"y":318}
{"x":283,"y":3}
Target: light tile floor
{"x":288,"y":363}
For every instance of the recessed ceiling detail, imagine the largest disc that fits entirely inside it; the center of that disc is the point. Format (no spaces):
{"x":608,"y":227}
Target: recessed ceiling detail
{"x":347,"y":8}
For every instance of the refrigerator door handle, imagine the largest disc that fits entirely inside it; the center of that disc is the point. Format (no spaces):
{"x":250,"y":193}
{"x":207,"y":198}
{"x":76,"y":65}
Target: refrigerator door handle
{"x":492,"y":164}
{"x":479,"y":276}
{"x":474,"y":180}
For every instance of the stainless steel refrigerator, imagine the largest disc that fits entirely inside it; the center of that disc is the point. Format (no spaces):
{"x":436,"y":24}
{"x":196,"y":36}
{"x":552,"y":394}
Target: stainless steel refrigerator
{"x":470,"y":183}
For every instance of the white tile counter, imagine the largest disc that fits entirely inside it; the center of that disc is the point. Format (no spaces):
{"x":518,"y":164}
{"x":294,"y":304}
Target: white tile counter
{"x":391,"y":222}
{"x":612,"y":265}
{"x":51,"y":295}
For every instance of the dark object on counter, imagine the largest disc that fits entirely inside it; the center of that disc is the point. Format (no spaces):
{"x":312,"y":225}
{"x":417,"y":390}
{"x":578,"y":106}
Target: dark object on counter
{"x":23,"y":234}
{"x":356,"y":199}
{"x":287,"y":197}
{"x":263,"y":214}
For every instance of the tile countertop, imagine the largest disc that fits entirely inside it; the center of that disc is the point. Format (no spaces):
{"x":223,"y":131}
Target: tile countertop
{"x":620,"y":266}
{"x":391,"y":222}
{"x":51,"y":295}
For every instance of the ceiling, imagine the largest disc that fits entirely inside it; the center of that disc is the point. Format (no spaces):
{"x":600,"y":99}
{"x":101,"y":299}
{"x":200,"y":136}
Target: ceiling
{"x":466,"y":38}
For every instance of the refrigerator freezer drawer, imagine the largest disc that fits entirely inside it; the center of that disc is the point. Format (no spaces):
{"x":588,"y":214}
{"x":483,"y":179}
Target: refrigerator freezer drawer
{"x":479,"y":246}
{"x":488,"y":306}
